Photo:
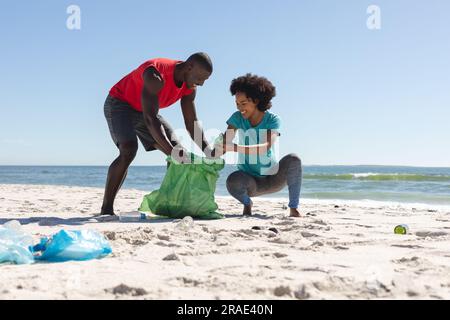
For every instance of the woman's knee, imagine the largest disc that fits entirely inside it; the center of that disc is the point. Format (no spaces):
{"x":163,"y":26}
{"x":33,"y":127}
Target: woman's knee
{"x":234,"y":180}
{"x":239,"y":180}
{"x":292,"y":159}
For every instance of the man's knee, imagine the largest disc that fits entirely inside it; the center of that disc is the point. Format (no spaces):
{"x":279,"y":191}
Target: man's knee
{"x":128,"y":151}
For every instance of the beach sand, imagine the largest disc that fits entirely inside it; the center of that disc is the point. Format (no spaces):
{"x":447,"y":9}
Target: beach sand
{"x":337,"y":250}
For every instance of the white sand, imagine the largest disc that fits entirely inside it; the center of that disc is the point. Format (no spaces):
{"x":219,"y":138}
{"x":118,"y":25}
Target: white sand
{"x":331,"y":253}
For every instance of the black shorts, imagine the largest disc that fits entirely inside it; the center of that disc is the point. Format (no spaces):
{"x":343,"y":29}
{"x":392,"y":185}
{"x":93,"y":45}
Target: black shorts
{"x":125,"y":124}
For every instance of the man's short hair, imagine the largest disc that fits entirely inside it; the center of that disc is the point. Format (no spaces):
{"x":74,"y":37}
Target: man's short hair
{"x":202,"y":59}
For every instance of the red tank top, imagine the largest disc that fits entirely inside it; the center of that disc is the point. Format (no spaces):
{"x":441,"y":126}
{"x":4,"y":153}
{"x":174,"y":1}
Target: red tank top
{"x":129,"y":89}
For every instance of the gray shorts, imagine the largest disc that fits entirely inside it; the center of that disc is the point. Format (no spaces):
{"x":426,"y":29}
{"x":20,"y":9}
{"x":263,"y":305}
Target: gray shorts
{"x":125,"y":124}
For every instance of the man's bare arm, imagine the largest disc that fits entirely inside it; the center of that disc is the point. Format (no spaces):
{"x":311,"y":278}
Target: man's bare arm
{"x":153,"y":83}
{"x":191,"y":121}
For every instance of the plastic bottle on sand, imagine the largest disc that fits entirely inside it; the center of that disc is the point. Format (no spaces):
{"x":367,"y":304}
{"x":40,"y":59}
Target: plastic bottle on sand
{"x":134,"y":216}
{"x":185,"y":224}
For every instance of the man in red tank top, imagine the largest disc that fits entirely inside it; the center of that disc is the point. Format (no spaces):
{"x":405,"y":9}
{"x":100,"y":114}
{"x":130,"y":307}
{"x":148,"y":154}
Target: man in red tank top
{"x":132,"y":106}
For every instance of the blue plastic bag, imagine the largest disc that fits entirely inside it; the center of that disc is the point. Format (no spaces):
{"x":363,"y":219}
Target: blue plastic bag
{"x":14,"y":244}
{"x":77,"y":245}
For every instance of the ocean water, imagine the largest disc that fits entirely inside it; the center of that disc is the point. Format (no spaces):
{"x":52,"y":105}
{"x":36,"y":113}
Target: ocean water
{"x":379,"y":183}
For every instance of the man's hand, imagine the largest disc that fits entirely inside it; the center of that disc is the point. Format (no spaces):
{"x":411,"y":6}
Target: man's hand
{"x":210,"y":152}
{"x":181,"y":155}
{"x":220,"y":149}
{"x":214,"y":154}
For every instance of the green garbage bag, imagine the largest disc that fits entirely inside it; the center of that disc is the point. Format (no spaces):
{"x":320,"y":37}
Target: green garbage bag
{"x":187,"y":190}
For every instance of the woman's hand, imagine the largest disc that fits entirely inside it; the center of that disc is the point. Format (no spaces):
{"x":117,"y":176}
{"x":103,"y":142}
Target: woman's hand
{"x":229,"y":147}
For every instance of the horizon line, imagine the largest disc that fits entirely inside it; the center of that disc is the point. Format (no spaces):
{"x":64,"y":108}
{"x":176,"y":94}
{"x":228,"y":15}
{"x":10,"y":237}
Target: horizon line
{"x":163,"y":165}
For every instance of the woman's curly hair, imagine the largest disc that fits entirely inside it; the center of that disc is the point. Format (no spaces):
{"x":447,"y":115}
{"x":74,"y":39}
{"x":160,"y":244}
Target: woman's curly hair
{"x":256,"y":88}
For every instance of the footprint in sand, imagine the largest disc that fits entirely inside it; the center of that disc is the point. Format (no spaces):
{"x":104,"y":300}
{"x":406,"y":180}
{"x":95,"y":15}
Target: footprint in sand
{"x":167,"y":244}
{"x":407,"y":246}
{"x":184,"y":281}
{"x":321,"y":222}
{"x":316,"y":269}
{"x":137,"y":237}
{"x":364,"y":226}
{"x":307,"y":234}
{"x":341,"y":248}
{"x":281,"y":291}
{"x":123,"y":289}
{"x":163,"y":237}
{"x":359,"y":235}
{"x":431,"y":234}
{"x":171,"y":257}
{"x":279,"y":255}
{"x":412,"y":262}
{"x":313,"y":227}
{"x":302,"y":293}
{"x":317,"y":244}
{"x":285,"y":223}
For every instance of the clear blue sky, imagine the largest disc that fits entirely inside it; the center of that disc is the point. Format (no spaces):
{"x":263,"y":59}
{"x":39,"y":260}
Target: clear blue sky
{"x":346,"y":94}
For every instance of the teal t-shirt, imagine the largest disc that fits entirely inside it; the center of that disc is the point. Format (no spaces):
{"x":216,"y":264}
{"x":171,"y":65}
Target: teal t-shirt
{"x":254,"y":164}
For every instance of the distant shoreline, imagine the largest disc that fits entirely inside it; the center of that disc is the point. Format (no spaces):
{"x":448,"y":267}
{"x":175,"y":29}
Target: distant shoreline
{"x":228,"y":164}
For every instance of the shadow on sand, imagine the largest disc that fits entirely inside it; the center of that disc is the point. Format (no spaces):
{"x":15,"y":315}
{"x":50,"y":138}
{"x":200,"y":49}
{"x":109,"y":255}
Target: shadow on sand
{"x":96,"y":218}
